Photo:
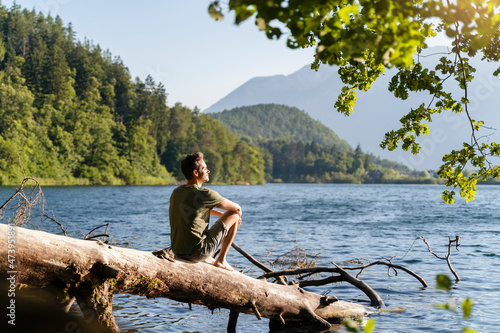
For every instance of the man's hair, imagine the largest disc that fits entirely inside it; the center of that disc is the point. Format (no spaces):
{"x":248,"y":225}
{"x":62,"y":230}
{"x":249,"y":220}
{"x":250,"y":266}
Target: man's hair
{"x":190,"y":163}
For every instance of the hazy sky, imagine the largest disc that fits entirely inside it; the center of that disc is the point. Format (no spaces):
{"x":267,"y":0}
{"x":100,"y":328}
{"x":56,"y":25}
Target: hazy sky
{"x":176,"y":42}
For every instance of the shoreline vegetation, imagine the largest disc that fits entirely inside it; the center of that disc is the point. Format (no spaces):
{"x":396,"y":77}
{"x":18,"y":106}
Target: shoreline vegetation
{"x":86,"y":182}
{"x":159,"y":181}
{"x":71,"y":114}
{"x":401,"y":181}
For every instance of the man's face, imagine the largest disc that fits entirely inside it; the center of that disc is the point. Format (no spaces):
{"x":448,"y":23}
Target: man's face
{"x":203,"y":172}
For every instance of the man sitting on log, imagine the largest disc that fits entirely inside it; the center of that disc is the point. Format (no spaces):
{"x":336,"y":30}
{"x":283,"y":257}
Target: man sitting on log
{"x":190,"y":208}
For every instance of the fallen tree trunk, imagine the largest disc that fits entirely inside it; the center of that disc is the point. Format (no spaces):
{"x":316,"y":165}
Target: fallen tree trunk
{"x":92,"y":272}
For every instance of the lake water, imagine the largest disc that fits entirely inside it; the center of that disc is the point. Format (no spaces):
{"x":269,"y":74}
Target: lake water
{"x":337,"y":222}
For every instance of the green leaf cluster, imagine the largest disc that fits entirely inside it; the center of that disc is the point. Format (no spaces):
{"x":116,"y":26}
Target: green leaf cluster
{"x":341,"y":30}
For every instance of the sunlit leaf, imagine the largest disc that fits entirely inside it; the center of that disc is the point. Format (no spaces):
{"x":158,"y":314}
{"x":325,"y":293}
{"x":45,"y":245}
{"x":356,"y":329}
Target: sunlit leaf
{"x":242,"y":13}
{"x":446,"y":306}
{"x":215,"y":11}
{"x":351,"y":325}
{"x":443,"y":282}
{"x":370,"y":325}
{"x":261,"y":23}
{"x":467,"y":307}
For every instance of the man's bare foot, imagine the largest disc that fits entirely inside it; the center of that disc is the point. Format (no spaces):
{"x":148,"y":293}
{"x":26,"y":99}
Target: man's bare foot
{"x":209,"y":260}
{"x":223,"y":265}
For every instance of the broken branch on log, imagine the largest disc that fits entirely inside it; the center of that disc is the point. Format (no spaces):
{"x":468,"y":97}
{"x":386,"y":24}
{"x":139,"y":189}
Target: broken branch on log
{"x":279,"y":279}
{"x":53,"y":219}
{"x":91,"y":231}
{"x":344,"y":276}
{"x":374,"y":297}
{"x":376,"y":301}
{"x":233,"y":320}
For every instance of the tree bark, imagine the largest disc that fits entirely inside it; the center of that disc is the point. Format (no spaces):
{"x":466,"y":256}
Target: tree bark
{"x":92,"y":272}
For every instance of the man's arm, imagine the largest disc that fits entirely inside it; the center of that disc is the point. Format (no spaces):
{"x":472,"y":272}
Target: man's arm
{"x":226,"y":205}
{"x":229,"y":206}
{"x":215,"y":212}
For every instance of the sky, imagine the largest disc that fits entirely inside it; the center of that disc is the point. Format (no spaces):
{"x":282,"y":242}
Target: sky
{"x":198,"y":60}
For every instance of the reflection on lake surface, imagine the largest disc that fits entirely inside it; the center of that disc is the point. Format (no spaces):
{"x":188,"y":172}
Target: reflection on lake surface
{"x":340,"y":222}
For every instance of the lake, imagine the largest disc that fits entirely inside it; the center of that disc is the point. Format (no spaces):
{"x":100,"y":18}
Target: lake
{"x":335,"y":222}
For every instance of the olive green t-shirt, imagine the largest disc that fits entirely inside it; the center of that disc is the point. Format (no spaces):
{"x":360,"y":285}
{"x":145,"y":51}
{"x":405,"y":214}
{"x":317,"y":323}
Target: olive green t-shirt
{"x":189,"y":215}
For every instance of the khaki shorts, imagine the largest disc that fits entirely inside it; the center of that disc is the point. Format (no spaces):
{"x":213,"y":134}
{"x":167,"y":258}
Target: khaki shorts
{"x":214,"y":237}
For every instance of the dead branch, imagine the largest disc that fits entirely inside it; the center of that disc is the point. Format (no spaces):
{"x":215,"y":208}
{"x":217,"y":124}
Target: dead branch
{"x":447,"y":257}
{"x":374,"y":297}
{"x":257,"y":263}
{"x":26,"y":202}
{"x":233,"y":319}
{"x":91,"y":231}
{"x":390,"y":265}
{"x":344,"y":276}
{"x":300,"y":271}
{"x":321,"y":282}
{"x":103,"y":235}
{"x":53,"y":219}
{"x":96,"y":236}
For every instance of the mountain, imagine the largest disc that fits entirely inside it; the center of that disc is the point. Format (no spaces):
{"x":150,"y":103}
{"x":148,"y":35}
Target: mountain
{"x":377,"y":111}
{"x":278,"y":122}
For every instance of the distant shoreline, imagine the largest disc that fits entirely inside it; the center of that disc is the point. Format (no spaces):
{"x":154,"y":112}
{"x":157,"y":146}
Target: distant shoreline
{"x":488,"y":183}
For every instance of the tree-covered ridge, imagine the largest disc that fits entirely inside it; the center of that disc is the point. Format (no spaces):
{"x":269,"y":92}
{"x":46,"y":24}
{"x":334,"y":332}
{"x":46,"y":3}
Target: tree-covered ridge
{"x":278,"y":122}
{"x":297,"y":148}
{"x":290,"y":161}
{"x":71,"y":113}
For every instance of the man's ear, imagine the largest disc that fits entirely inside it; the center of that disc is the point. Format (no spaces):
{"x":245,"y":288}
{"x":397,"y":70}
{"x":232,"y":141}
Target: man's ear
{"x":195,"y":173}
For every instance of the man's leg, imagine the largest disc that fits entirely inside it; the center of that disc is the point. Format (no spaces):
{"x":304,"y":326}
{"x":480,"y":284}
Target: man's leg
{"x":230,"y":220}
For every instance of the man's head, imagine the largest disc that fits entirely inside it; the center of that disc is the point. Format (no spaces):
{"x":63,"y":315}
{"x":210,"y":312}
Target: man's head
{"x":193,"y":165}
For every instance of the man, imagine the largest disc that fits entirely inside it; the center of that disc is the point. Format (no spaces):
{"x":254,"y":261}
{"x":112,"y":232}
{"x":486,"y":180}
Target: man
{"x":190,"y":208}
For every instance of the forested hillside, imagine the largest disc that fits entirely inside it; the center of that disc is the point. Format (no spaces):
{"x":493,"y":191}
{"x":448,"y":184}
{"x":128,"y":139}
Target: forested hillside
{"x":299,"y":149}
{"x":278,"y":122}
{"x":72,"y":114}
